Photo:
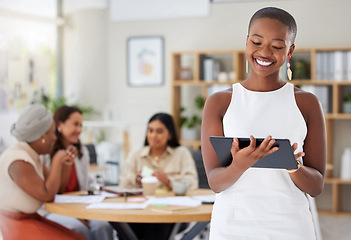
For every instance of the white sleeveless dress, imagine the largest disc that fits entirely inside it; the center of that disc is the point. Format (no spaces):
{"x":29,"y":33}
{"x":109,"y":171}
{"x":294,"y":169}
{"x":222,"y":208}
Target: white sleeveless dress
{"x":263,"y":203}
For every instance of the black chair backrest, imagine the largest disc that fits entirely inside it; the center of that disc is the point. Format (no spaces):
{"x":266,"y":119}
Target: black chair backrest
{"x":203,"y":183}
{"x":92,"y":153}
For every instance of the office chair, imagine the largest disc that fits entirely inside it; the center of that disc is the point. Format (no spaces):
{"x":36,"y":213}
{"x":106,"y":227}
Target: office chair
{"x":203,"y":183}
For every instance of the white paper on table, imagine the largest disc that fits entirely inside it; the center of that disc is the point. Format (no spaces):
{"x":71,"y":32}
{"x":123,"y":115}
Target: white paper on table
{"x":109,"y":195}
{"x":205,"y":198}
{"x":78,"y":199}
{"x":118,"y":205}
{"x":124,"y":189}
{"x":175,"y":201}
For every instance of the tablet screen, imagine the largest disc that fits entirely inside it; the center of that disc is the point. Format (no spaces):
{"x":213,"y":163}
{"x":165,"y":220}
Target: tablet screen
{"x":283,"y":158}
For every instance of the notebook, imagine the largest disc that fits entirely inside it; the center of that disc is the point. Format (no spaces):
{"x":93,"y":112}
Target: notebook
{"x":283,"y":158}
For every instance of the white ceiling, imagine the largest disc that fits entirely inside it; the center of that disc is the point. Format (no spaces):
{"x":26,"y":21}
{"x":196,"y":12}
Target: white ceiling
{"x":138,"y":10}
{"x":235,"y":1}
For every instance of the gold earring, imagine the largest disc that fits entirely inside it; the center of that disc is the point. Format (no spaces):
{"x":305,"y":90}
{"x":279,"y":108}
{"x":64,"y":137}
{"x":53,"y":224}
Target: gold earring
{"x":288,"y":71}
{"x":247,"y":66}
{"x":43,"y":140}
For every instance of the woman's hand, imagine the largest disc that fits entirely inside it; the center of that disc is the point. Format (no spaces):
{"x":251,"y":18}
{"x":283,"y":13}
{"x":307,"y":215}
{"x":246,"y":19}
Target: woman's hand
{"x":162,"y":177}
{"x":66,"y":156}
{"x":248,"y":156}
{"x":138,"y":178}
{"x":72,"y":152}
{"x":299,"y":154}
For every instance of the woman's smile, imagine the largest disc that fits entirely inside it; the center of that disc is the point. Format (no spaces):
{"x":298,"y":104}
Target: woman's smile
{"x":263,"y":62}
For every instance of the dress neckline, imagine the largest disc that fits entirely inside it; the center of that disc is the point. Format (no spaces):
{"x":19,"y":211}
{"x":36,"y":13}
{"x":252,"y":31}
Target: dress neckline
{"x":258,"y":92}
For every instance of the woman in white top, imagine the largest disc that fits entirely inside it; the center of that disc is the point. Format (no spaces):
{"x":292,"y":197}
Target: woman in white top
{"x":257,"y":203}
{"x":25,"y":182}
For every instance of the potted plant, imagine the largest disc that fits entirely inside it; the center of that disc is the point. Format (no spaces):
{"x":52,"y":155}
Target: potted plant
{"x":347,"y":104}
{"x":190,"y":124}
{"x":53,"y":103}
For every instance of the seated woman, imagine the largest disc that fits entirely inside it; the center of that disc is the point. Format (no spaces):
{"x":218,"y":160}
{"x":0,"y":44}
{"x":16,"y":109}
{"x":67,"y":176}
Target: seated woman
{"x":26,"y":183}
{"x":163,"y":154}
{"x":75,"y":177}
{"x":169,"y":161}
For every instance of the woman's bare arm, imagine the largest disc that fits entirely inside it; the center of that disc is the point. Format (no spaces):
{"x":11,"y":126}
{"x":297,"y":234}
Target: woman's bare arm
{"x":310,"y":177}
{"x":25,"y":176}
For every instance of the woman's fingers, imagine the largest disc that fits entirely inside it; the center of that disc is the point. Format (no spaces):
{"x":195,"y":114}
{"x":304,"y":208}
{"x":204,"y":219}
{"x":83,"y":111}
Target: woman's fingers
{"x":294,"y":147}
{"x":63,"y":157}
{"x":252,"y":142}
{"x":267,"y":143}
{"x":265,"y":148}
{"x":71,"y":151}
{"x":235,"y":146}
{"x":248,"y":156}
{"x":299,"y":154}
{"x":161,"y":175}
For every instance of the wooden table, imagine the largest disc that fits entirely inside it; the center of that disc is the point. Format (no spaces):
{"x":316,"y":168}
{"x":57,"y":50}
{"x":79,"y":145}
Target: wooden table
{"x":200,"y":214}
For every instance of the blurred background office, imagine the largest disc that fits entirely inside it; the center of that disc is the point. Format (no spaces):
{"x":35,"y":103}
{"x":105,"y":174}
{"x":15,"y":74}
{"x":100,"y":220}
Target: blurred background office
{"x":76,"y":52}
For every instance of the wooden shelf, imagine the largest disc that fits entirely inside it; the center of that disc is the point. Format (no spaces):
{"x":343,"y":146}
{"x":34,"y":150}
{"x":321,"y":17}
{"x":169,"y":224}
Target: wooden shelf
{"x":336,"y":208}
{"x":194,"y":144}
{"x":340,"y":116}
{"x":236,"y":63}
{"x":331,"y":213}
{"x":337,"y":181}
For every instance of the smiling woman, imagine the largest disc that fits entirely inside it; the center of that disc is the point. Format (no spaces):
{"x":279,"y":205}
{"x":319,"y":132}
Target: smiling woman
{"x":268,"y":52}
{"x":163,"y":157}
{"x":162,"y":154}
{"x":75,"y":177}
{"x":254,"y":203}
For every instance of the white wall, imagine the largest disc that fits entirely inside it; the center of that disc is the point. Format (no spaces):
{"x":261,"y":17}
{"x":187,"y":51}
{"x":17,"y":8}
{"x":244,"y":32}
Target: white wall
{"x":85,"y":63}
{"x":321,"y":23}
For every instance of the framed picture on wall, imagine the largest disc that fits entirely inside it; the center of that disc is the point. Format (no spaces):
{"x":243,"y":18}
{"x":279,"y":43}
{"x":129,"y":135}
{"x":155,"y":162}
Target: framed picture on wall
{"x":145,"y":61}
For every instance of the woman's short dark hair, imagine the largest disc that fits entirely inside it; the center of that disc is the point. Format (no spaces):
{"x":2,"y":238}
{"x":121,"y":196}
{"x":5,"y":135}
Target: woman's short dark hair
{"x":61,"y":115}
{"x":167,"y":120}
{"x":279,"y":14}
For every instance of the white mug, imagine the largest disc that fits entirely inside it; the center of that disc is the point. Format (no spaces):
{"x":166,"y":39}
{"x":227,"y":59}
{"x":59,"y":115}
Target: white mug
{"x":180,"y":187}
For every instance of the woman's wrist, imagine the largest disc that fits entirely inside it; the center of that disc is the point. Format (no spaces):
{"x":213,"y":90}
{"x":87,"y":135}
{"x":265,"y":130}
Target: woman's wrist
{"x":169,"y":184}
{"x":295,"y":170}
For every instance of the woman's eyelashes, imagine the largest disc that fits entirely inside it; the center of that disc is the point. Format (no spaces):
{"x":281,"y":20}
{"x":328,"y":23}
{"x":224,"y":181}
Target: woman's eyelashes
{"x":258,"y":44}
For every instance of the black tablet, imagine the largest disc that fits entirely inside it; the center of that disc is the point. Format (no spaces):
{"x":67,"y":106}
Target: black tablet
{"x":283,"y":158}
